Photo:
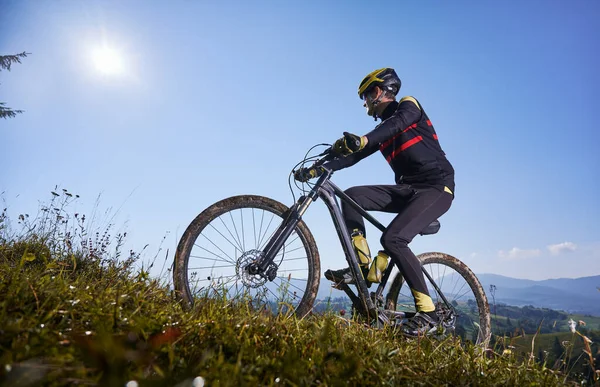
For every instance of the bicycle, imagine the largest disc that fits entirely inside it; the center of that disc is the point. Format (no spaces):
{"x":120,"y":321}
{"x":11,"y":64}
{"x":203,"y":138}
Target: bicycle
{"x":277,"y":275}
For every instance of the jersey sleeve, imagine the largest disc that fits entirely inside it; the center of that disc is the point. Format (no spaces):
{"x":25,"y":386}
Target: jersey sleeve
{"x":407,"y":113}
{"x":350,"y":160}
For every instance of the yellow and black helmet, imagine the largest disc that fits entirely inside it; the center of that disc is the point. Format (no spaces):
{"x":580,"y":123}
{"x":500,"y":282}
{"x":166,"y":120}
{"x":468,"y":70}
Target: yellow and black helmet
{"x":386,"y":78}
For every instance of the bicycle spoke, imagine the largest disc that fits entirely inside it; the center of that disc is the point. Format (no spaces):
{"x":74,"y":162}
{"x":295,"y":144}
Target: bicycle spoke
{"x":464,"y":294}
{"x":209,"y":267}
{"x":212,"y":279}
{"x":230,"y":233}
{"x":254,"y":227}
{"x":290,"y":270}
{"x":216,"y":255}
{"x":234,"y":278}
{"x":243,"y":235}
{"x":224,"y":237}
{"x":262,"y":218}
{"x":292,"y":241}
{"x":294,"y":296}
{"x":291,"y":284}
{"x":454,"y":287}
{"x":209,"y":259}
{"x":454,"y":291}
{"x":237,"y":290}
{"x":235,"y":229}
{"x":444,"y":274}
{"x":293,"y":259}
{"x":270,"y":291}
{"x":290,"y":251}
{"x":266,"y":230}
{"x":295,"y":279}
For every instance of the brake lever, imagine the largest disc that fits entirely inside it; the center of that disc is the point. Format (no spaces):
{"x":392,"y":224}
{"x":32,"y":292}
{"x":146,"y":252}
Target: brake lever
{"x":326,"y":151}
{"x":329,"y":155}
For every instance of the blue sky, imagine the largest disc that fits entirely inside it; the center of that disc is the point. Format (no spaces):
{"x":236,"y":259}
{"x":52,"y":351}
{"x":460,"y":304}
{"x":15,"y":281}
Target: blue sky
{"x":222,"y":98}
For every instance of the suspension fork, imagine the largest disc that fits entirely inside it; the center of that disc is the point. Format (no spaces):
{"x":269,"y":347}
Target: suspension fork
{"x":292,"y":218}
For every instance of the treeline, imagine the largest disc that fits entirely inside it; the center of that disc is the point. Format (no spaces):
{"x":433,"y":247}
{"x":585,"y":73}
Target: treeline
{"x":506,"y":319}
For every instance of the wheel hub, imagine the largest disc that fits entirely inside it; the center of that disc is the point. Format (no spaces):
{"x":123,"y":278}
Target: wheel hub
{"x":246,"y":269}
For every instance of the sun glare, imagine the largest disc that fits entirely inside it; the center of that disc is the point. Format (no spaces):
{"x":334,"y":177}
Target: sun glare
{"x":107,"y":61}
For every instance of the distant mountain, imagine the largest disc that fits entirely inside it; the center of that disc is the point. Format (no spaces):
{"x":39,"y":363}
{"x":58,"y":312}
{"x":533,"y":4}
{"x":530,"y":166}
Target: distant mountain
{"x":573,"y":295}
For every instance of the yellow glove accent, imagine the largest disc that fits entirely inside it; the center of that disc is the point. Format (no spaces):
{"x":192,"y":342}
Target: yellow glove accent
{"x":349,"y":144}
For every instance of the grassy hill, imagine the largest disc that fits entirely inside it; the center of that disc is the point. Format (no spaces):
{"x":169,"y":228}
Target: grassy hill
{"x":73,"y":311}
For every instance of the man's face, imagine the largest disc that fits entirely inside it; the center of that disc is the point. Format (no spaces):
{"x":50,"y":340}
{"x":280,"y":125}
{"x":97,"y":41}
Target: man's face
{"x":368,"y":98}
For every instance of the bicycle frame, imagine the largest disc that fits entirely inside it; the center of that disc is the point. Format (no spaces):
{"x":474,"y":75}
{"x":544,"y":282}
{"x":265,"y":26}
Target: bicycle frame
{"x":328,"y":191}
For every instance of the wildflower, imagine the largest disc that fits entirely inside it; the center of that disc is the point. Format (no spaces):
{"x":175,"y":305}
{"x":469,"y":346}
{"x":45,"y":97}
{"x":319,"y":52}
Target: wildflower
{"x":198,"y":381}
{"x":8,"y":367}
{"x":42,"y":325}
{"x":572,"y":325}
{"x":131,"y":383}
{"x":581,"y":322}
{"x":71,"y":287}
{"x":87,"y":333}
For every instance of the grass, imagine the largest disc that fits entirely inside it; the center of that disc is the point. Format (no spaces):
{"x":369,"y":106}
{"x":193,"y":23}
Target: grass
{"x":73,"y":311}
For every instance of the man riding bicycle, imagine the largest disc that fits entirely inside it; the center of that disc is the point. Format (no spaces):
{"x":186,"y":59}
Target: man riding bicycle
{"x":423,"y":192}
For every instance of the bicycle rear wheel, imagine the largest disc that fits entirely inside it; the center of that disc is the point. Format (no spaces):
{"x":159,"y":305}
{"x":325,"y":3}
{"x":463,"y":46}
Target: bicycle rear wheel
{"x":215,"y":249}
{"x":468,"y":315}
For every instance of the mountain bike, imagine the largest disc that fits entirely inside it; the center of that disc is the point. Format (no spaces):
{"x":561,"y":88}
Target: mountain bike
{"x":256,"y":250}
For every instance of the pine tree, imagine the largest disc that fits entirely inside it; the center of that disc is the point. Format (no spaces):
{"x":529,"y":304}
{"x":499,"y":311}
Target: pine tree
{"x":5,"y":62}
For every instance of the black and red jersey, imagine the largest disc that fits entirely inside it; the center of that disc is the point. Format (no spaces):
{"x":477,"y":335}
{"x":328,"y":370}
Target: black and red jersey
{"x":408,"y":142}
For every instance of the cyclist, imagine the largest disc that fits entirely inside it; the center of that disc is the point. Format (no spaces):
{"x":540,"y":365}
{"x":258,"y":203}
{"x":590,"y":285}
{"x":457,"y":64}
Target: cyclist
{"x":423,"y":192}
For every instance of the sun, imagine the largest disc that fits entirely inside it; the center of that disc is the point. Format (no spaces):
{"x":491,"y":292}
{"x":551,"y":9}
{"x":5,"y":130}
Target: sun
{"x":107,"y":61}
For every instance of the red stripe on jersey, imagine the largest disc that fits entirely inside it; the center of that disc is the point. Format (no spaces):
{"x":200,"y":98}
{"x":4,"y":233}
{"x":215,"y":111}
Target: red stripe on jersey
{"x":429,"y":123}
{"x":435,"y":136}
{"x":388,"y":142}
{"x":403,"y":147}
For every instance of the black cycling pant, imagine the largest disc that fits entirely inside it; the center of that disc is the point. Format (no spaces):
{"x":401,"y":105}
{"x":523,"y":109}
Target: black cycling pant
{"x":416,"y":206}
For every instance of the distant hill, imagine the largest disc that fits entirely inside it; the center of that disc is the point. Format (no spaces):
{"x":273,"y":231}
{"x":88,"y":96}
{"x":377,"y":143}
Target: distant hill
{"x":572,"y":295}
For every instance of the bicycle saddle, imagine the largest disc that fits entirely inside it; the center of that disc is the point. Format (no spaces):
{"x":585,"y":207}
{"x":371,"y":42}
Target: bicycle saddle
{"x":432,"y":228}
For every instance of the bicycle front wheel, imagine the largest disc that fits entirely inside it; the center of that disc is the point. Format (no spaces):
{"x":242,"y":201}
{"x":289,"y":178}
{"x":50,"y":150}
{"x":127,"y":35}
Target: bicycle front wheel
{"x":215,"y":250}
{"x":467,"y":313}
